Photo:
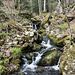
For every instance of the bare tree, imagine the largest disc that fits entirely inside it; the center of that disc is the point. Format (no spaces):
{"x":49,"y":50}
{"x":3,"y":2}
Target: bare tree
{"x":19,"y":5}
{"x":31,"y":2}
{"x":40,"y":6}
{"x":44,"y":5}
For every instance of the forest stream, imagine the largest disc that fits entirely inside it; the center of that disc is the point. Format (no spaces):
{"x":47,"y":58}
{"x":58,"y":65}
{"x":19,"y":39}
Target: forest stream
{"x":37,"y":37}
{"x":32,"y":68}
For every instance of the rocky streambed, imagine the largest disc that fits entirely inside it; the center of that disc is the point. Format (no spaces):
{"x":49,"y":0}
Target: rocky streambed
{"x":44,"y":61}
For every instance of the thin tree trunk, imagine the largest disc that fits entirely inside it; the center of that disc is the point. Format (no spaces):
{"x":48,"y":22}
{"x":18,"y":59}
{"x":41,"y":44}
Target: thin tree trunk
{"x":40,"y":6}
{"x":19,"y":5}
{"x":44,"y":5}
{"x":31,"y":6}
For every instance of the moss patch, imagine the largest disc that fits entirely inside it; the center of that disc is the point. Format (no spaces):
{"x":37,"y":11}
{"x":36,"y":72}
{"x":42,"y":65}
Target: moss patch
{"x":63,"y":26}
{"x":45,"y":20}
{"x":59,"y":42}
{"x":15,"y":61}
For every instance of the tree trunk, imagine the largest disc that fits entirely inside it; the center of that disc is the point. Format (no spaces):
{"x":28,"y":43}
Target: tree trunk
{"x":40,"y":6}
{"x":19,"y":5}
{"x":44,"y":5}
{"x":31,"y":2}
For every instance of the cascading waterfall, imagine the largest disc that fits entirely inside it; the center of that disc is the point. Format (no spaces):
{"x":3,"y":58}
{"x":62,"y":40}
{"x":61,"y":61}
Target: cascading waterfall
{"x":34,"y":26}
{"x":33,"y":66}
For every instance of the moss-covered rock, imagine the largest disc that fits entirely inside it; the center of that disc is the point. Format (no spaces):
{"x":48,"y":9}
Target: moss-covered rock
{"x":67,"y":64}
{"x":15,"y":61}
{"x":6,"y":61}
{"x":2,"y":70}
{"x":35,"y":19}
{"x":59,"y":40}
{"x":46,"y":25}
{"x":1,"y":62}
{"x":36,"y":46}
{"x":41,"y":30}
{"x":17,"y":46}
{"x":1,"y":54}
{"x":25,"y":45}
{"x":46,"y":19}
{"x":28,"y":56}
{"x":39,"y":70}
{"x":50,"y":59}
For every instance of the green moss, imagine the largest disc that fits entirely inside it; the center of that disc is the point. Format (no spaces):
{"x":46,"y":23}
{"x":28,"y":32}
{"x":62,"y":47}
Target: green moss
{"x":26,"y":19}
{"x":34,"y":47}
{"x":1,"y":67}
{"x":1,"y":10}
{"x":14,"y":30}
{"x":1,"y":62}
{"x":69,"y":56}
{"x":59,"y":42}
{"x":64,"y":26}
{"x":53,"y":39}
{"x":72,"y":52}
{"x":28,"y":56}
{"x":6,"y":61}
{"x":44,"y":34}
{"x":63,"y":39}
{"x":41,"y":30}
{"x":16,"y":52}
{"x":3,"y":25}
{"x":17,"y":46}
{"x":10,"y":34}
{"x":16,"y":68}
{"x":39,"y":70}
{"x":1,"y":54}
{"x":45,"y":20}
{"x":4,"y":34}
{"x":54,"y":22}
{"x":52,"y":54}
{"x":25,"y":45}
{"x":13,"y":22}
{"x":2,"y":70}
{"x":50,"y":58}
{"x":53,"y":57}
{"x":15,"y":61}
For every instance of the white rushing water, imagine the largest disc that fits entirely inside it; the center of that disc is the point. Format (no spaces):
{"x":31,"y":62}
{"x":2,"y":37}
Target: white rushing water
{"x":34,"y":26}
{"x":32,"y":67}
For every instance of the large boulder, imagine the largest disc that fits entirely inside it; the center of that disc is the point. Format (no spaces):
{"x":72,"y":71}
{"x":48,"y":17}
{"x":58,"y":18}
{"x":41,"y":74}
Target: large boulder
{"x":50,"y":58}
{"x":59,"y":39}
{"x":67,"y":61}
